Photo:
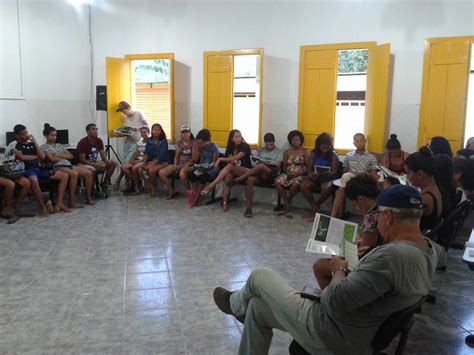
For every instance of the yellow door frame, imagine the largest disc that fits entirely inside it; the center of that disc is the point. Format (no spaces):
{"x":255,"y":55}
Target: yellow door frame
{"x":301,"y":83}
{"x":422,"y":139}
{"x":235,"y":52}
{"x":169,"y":56}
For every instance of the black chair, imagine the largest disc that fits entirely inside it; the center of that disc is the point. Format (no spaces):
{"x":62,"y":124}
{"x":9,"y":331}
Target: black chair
{"x":399,"y":322}
{"x":452,"y":223}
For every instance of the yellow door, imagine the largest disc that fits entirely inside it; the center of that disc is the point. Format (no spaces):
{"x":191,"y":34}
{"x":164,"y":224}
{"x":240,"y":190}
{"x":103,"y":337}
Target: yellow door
{"x":317,"y":92}
{"x":118,"y":89}
{"x":376,"y":97}
{"x":218,"y":96}
{"x":444,"y":91}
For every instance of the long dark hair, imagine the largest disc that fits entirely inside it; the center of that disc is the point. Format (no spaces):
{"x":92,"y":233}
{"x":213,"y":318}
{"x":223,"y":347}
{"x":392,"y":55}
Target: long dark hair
{"x":230,"y":143}
{"x":323,"y":138}
{"x":421,"y":161}
{"x":48,"y":129}
{"x":440,"y":145}
{"x":162,"y":135}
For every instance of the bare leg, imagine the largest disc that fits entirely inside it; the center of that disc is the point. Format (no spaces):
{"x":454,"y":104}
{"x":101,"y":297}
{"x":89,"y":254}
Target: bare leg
{"x":294,"y":189}
{"x":153,"y":171}
{"x":136,"y":173}
{"x":25,"y":185}
{"x":88,"y":176}
{"x":307,"y":187}
{"x":9,"y":186}
{"x":338,"y":202}
{"x":260,"y":170}
{"x":251,"y":181}
{"x":110,"y":165}
{"x":226,"y":193}
{"x":165,"y":174}
{"x":326,"y":192}
{"x":184,"y":175}
{"x":38,"y":196}
{"x":63,"y":179}
{"x":222,"y":174}
{"x":73,"y":178}
{"x":282,"y":192}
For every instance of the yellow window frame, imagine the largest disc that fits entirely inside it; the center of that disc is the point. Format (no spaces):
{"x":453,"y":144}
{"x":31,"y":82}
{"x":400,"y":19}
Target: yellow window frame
{"x":301,"y":84}
{"x":423,"y":138}
{"x":235,"y":52}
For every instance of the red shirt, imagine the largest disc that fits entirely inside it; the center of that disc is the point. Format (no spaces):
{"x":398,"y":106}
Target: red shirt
{"x":90,"y":148}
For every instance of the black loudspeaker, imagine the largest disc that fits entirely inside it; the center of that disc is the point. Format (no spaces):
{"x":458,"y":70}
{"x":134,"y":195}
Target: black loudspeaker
{"x":101,"y":98}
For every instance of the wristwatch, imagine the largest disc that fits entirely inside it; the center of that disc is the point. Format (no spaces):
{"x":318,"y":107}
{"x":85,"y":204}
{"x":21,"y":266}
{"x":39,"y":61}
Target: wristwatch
{"x":340,"y":268}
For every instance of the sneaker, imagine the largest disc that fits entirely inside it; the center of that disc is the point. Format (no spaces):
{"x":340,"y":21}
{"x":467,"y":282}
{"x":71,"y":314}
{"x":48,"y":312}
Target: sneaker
{"x":222,"y":300}
{"x":248,"y":212}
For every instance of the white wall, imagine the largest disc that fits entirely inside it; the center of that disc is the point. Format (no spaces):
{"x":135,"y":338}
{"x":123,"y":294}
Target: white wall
{"x":56,"y":51}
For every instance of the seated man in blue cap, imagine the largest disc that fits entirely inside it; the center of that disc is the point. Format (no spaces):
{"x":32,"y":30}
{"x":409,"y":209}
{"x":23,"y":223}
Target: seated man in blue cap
{"x":354,"y":305}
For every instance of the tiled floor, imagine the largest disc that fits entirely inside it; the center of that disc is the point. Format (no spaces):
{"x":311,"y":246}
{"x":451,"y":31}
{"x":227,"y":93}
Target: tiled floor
{"x":135,"y":276}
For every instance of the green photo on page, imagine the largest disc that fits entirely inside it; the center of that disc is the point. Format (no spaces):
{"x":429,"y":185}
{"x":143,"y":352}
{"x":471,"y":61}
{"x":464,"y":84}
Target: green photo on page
{"x":322,"y":232}
{"x":349,"y":232}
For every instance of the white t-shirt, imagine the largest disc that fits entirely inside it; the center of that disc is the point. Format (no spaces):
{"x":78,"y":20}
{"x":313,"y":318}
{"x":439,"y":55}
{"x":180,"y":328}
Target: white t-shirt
{"x":136,"y":120}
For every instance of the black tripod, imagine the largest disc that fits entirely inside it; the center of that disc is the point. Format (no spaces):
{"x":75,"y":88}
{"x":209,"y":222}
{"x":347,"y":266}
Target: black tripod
{"x":108,"y":148}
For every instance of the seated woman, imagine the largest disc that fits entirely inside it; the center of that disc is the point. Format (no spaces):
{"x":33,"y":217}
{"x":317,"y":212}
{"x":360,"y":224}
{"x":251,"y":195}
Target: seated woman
{"x":60,"y":157}
{"x":362,"y":191}
{"x":237,"y":160}
{"x":394,"y":157}
{"x":133,"y":168}
{"x":322,"y":170}
{"x":443,"y":173}
{"x":208,"y":155}
{"x":28,"y":151}
{"x":187,"y":153}
{"x":295,"y":162}
{"x":463,"y":178}
{"x":420,"y":168}
{"x":156,"y":157}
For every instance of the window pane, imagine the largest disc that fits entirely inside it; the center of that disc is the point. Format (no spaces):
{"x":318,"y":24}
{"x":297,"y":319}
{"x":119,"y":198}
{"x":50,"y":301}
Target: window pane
{"x":246,"y":105}
{"x":350,"y":103}
{"x":153,"y":91}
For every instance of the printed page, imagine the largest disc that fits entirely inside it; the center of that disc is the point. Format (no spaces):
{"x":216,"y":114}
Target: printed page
{"x":317,"y":247}
{"x":350,"y":253}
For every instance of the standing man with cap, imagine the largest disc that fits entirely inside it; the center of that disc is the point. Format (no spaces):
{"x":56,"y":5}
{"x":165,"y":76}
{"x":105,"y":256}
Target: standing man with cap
{"x":354,"y":305}
{"x":135,"y":120}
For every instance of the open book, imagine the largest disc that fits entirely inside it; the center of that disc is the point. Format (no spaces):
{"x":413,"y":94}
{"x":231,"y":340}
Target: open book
{"x":204,"y":166}
{"x":319,"y":169}
{"x":334,"y":236}
{"x":389,"y":173}
{"x":123,"y":131}
{"x":257,"y":159}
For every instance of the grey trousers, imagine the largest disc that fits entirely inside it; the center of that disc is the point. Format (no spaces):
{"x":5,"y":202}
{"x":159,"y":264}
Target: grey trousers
{"x":268,"y":302}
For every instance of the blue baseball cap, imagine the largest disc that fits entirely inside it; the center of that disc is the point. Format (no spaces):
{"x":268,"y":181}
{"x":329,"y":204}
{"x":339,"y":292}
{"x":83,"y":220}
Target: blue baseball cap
{"x":400,"y":196}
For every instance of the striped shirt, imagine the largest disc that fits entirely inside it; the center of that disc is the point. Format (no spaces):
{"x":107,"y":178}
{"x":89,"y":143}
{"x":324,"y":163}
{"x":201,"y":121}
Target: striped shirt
{"x":360,"y":162}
